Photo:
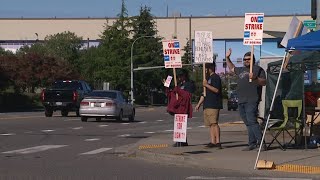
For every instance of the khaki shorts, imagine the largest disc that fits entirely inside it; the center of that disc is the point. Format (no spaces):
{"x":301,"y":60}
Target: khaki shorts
{"x":211,"y":116}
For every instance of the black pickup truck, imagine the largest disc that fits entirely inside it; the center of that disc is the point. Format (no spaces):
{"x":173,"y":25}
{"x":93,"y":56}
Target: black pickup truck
{"x":65,"y":96}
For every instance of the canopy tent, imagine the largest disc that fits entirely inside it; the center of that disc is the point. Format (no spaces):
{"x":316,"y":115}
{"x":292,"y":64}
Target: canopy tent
{"x":307,"y":42}
{"x":291,"y":84}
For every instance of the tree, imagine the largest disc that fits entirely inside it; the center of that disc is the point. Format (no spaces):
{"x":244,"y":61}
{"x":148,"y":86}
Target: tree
{"x":114,"y":51}
{"x":147,"y":52}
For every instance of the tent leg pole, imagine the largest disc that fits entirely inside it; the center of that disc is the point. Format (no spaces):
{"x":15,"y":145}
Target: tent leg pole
{"x":270,"y":110}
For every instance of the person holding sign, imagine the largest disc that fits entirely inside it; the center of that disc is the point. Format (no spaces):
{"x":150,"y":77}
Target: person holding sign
{"x":212,"y":103}
{"x":249,"y":95}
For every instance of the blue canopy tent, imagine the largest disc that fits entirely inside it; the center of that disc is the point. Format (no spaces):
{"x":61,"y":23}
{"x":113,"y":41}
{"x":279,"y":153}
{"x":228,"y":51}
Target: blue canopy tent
{"x":307,"y":42}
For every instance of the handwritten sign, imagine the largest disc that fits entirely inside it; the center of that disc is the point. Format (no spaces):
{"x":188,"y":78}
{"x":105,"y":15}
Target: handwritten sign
{"x":172,"y":54}
{"x":253,"y":29}
{"x":180,"y":128}
{"x":168,"y":81}
{"x":203,"y":52}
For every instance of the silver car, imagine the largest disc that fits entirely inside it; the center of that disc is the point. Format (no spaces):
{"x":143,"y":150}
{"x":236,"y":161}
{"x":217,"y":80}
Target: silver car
{"x":106,"y":104}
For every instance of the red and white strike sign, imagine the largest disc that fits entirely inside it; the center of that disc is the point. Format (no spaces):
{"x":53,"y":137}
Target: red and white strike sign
{"x":180,"y":128}
{"x":172,"y":54}
{"x":253,"y":29}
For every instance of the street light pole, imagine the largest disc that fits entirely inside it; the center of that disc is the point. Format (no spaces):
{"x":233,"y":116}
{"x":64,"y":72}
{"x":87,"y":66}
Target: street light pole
{"x":131,"y":69}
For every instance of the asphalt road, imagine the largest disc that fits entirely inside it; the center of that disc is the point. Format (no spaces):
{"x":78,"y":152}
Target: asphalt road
{"x":35,"y":147}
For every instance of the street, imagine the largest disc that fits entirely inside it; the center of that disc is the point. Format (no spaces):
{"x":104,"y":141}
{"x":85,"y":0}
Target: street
{"x":36,"y":147}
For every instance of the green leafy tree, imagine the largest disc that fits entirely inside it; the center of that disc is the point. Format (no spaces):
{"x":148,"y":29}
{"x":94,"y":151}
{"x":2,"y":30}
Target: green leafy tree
{"x":65,"y":46}
{"x":147,"y":53}
{"x":114,"y":58}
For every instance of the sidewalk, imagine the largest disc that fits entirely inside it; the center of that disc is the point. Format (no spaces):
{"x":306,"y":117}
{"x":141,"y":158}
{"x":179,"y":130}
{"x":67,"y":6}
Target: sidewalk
{"x":159,"y":148}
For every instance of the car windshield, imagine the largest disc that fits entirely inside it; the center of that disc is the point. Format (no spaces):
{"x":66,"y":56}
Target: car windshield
{"x":67,"y":85}
{"x":112,"y":95}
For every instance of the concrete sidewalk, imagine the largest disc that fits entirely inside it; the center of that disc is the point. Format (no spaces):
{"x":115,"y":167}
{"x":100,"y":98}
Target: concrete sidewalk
{"x":289,"y":163}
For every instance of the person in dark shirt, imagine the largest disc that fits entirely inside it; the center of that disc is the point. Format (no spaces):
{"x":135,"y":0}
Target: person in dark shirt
{"x":212,"y":104}
{"x":249,"y":96}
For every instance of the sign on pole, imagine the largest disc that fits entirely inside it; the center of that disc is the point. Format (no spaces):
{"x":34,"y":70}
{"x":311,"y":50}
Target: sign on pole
{"x":180,"y":128}
{"x":310,"y":24}
{"x":172,"y":54}
{"x":253,"y":29}
{"x":203,"y":52}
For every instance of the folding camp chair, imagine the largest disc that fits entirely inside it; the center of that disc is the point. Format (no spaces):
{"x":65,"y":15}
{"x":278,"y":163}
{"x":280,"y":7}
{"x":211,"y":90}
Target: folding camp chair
{"x":291,"y":111}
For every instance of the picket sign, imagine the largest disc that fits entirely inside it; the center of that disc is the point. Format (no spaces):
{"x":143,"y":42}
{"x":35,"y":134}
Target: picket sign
{"x":203,"y":52}
{"x":172,"y":57}
{"x":180,"y":128}
{"x":253,"y":32}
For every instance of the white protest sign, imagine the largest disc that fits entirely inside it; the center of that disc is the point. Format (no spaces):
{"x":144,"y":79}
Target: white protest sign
{"x":180,"y":128}
{"x":203,"y":52}
{"x":172,"y":54}
{"x":168,"y":81}
{"x":253,"y":29}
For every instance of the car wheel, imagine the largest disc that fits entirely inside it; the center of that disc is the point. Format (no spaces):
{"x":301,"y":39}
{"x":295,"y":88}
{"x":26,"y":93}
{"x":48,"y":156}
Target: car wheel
{"x":119,"y":118}
{"x":229,"y":109}
{"x":64,"y":113}
{"x":131,"y":117}
{"x":98,"y":119}
{"x":48,"y":112}
{"x":234,"y":109}
{"x":84,"y":119}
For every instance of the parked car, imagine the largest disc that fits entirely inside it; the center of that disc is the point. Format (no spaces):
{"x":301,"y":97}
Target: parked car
{"x":65,"y":96}
{"x":233,"y":102}
{"x":106,"y":104}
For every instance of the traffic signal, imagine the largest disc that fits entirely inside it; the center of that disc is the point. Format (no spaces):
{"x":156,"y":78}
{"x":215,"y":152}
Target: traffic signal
{"x":314,"y":9}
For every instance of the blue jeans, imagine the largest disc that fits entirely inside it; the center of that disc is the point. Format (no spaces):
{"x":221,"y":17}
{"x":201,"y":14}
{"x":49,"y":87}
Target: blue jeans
{"x":248,"y":112}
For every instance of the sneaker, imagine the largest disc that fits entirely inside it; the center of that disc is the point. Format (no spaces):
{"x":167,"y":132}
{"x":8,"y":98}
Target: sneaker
{"x":249,"y":148}
{"x":210,"y":145}
{"x":218,"y":145}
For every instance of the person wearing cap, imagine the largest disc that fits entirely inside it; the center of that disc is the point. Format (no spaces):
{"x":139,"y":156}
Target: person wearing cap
{"x":249,"y":95}
{"x":212,"y":103}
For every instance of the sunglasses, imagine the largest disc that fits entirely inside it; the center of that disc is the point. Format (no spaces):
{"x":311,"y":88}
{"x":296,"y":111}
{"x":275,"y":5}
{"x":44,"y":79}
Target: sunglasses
{"x":246,"y":59}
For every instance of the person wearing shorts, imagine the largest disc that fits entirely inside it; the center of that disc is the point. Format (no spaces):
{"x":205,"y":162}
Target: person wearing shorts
{"x":212,"y":103}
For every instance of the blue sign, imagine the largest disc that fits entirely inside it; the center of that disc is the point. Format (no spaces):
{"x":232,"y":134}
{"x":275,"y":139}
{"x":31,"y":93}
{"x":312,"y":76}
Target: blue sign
{"x":166,"y":58}
{"x":247,"y":34}
{"x":176,"y":45}
{"x":260,"y":19}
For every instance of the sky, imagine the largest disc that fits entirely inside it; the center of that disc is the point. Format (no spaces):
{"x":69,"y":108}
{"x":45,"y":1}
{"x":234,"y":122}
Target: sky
{"x":110,"y":8}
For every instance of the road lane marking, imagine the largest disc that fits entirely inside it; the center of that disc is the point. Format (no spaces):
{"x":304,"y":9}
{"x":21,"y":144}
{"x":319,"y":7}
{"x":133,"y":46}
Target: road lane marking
{"x":7,"y":134}
{"x":189,"y":128}
{"x":149,"y":132}
{"x":34,"y":149}
{"x":48,"y":130}
{"x":201,"y":126}
{"x":96,"y":151}
{"x":92,"y":139}
{"x":76,"y":128}
{"x":125,"y":123}
{"x":72,"y":120}
{"x":124,"y":135}
{"x":169,"y":130}
{"x":103,"y":125}
{"x":160,"y":120}
{"x":20,"y":117}
{"x":142,"y":122}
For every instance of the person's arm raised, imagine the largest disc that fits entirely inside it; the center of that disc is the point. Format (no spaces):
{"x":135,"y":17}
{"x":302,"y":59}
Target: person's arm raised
{"x":228,"y":60}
